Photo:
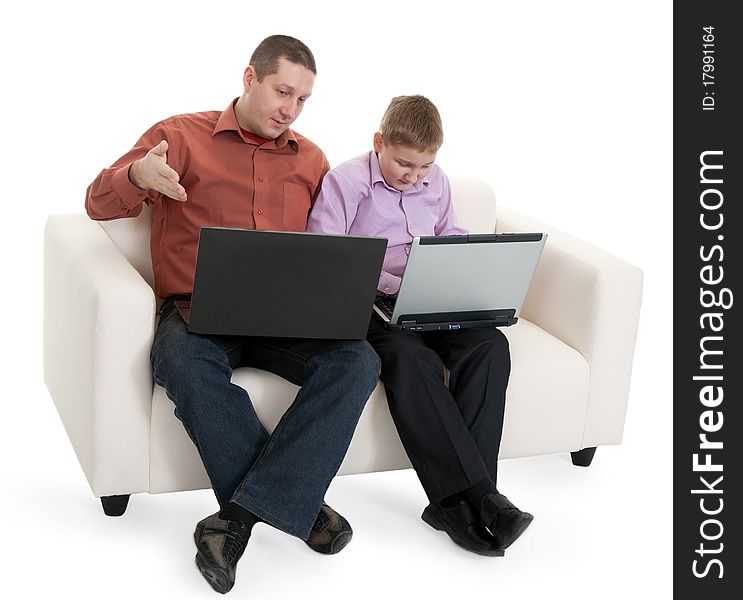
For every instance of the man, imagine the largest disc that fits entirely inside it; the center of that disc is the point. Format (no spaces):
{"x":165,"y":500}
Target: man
{"x":244,"y":168}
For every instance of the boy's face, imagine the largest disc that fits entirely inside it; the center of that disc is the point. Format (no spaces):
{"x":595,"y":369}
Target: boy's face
{"x":402,"y":166}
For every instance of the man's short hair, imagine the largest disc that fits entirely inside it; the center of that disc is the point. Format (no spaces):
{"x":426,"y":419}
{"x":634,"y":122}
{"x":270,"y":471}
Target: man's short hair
{"x":266,"y":56}
{"x":412,"y":121}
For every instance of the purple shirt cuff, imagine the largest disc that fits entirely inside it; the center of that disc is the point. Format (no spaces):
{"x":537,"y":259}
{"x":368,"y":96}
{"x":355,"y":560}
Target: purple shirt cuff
{"x":389,"y":284}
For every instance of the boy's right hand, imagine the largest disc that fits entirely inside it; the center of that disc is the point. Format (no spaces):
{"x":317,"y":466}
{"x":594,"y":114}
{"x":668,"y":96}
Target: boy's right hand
{"x":153,"y":173}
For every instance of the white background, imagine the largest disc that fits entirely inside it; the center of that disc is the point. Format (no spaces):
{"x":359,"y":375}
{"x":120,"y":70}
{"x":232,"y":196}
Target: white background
{"x":564,"y":107}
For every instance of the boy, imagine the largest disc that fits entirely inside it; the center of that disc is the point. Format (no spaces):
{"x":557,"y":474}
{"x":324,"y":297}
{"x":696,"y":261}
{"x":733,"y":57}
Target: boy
{"x":451,"y":435}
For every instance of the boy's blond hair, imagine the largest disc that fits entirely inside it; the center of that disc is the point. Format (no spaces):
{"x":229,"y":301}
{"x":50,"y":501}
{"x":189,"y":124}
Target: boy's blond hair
{"x":412,"y":121}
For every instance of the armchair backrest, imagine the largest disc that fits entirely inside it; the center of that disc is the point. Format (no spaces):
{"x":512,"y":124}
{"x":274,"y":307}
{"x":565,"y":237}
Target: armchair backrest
{"x":132,"y":238}
{"x":474,"y":204}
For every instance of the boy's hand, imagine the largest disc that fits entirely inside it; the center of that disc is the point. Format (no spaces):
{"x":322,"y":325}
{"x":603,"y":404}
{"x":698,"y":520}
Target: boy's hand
{"x":153,"y":173}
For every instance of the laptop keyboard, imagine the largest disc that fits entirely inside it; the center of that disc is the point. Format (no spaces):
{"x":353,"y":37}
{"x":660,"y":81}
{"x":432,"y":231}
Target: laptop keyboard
{"x":386,"y":305}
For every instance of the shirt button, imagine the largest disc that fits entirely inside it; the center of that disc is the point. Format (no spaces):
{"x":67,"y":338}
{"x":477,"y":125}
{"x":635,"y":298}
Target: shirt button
{"x":260,"y":179}
{"x":260,"y":212}
{"x":387,"y":290}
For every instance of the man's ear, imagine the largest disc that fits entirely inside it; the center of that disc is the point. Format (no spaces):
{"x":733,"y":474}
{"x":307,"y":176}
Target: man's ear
{"x":249,"y":77}
{"x":378,"y":142}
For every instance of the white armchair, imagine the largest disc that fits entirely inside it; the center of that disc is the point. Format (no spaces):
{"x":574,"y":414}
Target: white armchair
{"x":571,"y":356}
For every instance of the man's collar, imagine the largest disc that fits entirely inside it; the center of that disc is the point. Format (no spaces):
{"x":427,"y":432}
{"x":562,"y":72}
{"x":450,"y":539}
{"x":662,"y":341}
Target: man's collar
{"x":228,"y":122}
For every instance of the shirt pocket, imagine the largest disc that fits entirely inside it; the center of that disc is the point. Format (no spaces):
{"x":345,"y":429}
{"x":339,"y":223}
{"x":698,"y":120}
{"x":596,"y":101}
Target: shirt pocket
{"x":296,"y":206}
{"x":429,"y":216}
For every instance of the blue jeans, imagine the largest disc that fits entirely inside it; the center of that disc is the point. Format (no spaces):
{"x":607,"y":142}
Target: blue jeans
{"x":281,"y":477}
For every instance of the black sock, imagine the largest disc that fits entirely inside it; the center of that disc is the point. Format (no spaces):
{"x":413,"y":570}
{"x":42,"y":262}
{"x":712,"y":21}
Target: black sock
{"x":235,"y":512}
{"x":477,"y":492}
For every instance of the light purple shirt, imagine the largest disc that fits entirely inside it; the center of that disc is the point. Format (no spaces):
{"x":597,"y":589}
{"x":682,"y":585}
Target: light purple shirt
{"x":355,"y":200}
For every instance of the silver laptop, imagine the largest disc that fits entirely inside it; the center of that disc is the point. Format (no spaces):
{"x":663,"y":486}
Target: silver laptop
{"x":461,"y":281}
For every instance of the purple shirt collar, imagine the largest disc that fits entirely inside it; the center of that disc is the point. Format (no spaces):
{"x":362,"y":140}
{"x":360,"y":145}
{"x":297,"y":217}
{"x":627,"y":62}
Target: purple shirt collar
{"x":375,"y":176}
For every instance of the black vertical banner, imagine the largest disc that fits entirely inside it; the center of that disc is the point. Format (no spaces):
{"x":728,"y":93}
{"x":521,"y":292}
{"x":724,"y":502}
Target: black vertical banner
{"x":708,"y":298}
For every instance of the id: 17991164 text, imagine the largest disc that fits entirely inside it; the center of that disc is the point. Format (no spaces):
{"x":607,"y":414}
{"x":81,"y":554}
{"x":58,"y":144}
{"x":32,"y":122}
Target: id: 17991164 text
{"x":708,"y":67}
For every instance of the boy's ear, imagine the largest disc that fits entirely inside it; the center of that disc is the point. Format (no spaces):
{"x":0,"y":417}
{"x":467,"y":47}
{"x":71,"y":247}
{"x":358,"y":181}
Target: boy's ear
{"x":378,"y":142}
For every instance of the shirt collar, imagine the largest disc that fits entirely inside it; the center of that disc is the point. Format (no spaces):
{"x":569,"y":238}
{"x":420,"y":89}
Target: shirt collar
{"x":228,"y":122}
{"x":375,"y":172}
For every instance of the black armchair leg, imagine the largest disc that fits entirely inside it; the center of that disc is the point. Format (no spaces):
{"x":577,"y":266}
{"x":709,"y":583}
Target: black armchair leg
{"x":115,"y":506}
{"x":583,"y":458}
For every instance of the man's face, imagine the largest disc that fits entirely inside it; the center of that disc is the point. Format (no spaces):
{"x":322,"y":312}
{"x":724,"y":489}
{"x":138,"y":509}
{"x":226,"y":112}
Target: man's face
{"x":402,"y":166}
{"x":273,"y":104}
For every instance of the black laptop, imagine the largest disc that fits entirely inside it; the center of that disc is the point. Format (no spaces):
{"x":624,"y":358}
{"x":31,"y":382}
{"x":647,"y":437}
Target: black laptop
{"x":283,"y":284}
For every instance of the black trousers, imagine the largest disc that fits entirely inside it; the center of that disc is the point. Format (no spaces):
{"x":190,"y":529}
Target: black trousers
{"x":451,"y":434}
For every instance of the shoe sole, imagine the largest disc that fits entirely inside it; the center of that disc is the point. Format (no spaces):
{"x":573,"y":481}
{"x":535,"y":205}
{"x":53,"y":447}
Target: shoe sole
{"x":216,"y":578}
{"x":338,"y":544}
{"x":432,"y":520}
{"x":341,"y":542}
{"x":514,"y":532}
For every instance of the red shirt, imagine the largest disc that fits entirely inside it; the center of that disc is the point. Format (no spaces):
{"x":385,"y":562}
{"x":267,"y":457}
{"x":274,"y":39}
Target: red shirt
{"x":231,"y":181}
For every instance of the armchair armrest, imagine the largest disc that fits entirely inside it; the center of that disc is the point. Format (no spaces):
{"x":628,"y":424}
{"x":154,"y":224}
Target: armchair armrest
{"x":590,"y":300}
{"x":99,"y":319}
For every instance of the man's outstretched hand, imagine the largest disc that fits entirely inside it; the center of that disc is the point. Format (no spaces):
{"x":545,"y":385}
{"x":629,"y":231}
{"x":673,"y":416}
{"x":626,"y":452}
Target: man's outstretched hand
{"x":153,"y":173}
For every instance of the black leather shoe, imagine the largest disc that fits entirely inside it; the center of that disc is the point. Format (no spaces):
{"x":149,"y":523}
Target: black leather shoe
{"x":505,"y":521}
{"x":219,"y":545}
{"x":463,"y":526}
{"x":330,"y":533}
